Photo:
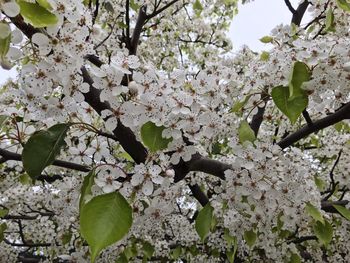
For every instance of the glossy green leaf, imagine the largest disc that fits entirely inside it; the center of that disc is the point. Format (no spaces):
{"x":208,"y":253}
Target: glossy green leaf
{"x":152,"y":138}
{"x":3,"y":212}
{"x":323,"y":232}
{"x":148,"y":250}
{"x":204,"y":221}
{"x":66,"y":237}
{"x":344,"y":4}
{"x":45,"y":4}
{"x":264,"y":56}
{"x":240,"y":104}
{"x":232,"y":245}
{"x":291,"y":107}
{"x":3,"y":119}
{"x":314,"y":212}
{"x":37,"y":15}
{"x":266,"y":39}
{"x":3,"y":227}
{"x":85,"y":191}
{"x":245,"y":133}
{"x":321,"y":184}
{"x":295,"y":258}
{"x":42,"y":148}
{"x":197,"y":7}
{"x":104,"y":220}
{"x":176,"y":252}
{"x":343,"y":211}
{"x":250,"y":237}
{"x":330,"y":20}
{"x":300,"y":74}
{"x":4,"y":46}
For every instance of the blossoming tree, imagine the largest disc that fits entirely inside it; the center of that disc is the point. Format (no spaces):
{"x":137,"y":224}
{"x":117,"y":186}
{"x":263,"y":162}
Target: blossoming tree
{"x":132,"y":134}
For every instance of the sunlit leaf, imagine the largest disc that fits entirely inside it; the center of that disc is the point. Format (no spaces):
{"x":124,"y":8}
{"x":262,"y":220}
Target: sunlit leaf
{"x":37,"y":15}
{"x":314,"y":212}
{"x":152,"y":138}
{"x":204,"y":221}
{"x":343,"y":211}
{"x":250,"y":237}
{"x":245,"y":133}
{"x":104,"y":220}
{"x":323,"y":232}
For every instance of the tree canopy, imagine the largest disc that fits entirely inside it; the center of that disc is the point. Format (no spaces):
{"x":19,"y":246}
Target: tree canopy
{"x":133,"y":133}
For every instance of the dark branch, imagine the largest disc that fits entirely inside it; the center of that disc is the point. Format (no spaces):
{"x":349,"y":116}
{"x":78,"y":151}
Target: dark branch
{"x":137,"y":30}
{"x":328,"y":207}
{"x":157,"y":12}
{"x":299,"y":13}
{"x":207,"y":165}
{"x":341,"y":114}
{"x":17,"y":157}
{"x":198,"y":194}
{"x":290,"y":7}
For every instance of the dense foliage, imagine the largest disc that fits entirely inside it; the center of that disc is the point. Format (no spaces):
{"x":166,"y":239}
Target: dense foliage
{"x":132,"y":133}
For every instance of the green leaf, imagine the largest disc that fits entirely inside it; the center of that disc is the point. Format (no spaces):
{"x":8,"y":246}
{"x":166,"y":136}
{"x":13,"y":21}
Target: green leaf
{"x":66,"y":238}
{"x":85,"y":191}
{"x":204,"y":221}
{"x":264,"y":56}
{"x":295,"y":258}
{"x":3,"y":227}
{"x":231,"y":245}
{"x":314,"y":212}
{"x":176,"y":252}
{"x":266,"y":39}
{"x":3,"y":119}
{"x":197,"y":7}
{"x":240,"y":104}
{"x":300,"y":74}
{"x":37,"y":15}
{"x":245,"y":133}
{"x":148,"y":250}
{"x":134,"y":6}
{"x":343,"y":211}
{"x":291,"y":107}
{"x":42,"y":148}
{"x":3,"y":212}
{"x":323,"y":232}
{"x":4,"y":46}
{"x":45,"y":4}
{"x":330,"y":20}
{"x":151,"y":136}
{"x":122,"y":258}
{"x":344,"y":4}
{"x":104,"y":220}
{"x":250,"y":237}
{"x":321,"y":184}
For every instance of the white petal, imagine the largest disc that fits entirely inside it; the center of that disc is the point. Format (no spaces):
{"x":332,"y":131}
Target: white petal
{"x":11,"y":9}
{"x":147,"y":188}
{"x":40,"y":39}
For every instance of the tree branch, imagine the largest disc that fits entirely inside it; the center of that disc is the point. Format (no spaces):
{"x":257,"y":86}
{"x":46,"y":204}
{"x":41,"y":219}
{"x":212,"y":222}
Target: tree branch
{"x":299,"y":13}
{"x":157,"y":12}
{"x":137,"y":30}
{"x":290,"y":7}
{"x":17,"y":157}
{"x":341,"y":114}
{"x":198,"y":194}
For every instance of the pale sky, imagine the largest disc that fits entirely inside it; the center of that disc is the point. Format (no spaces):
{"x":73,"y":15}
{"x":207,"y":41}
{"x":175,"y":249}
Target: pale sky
{"x":253,"y":21}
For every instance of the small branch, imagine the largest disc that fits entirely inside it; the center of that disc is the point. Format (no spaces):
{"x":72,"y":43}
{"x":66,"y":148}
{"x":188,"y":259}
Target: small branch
{"x":127,"y":22}
{"x":299,"y":13}
{"x":157,"y":12}
{"x":27,"y":245}
{"x":307,"y":117}
{"x":17,"y":157}
{"x":302,"y":239}
{"x":137,"y":30}
{"x":328,"y":207}
{"x":290,"y":7}
{"x":209,"y":166}
{"x":341,"y":114}
{"x":198,"y":194}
